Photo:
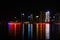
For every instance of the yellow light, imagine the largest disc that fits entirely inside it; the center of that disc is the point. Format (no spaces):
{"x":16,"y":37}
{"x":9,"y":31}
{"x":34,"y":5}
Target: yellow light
{"x":37,"y":16}
{"x":26,"y":22}
{"x":16,"y":21}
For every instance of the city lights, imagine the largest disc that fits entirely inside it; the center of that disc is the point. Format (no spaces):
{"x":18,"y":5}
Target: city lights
{"x":30,"y":20}
{"x":37,"y":27}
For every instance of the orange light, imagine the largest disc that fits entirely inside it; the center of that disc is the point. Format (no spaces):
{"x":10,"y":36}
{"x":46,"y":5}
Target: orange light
{"x":37,"y":29}
{"x":41,"y":30}
{"x":26,"y":22}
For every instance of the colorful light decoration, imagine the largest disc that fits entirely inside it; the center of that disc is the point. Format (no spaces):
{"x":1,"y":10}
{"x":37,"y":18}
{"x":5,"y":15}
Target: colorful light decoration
{"x":14,"y":28}
{"x":41,"y":27}
{"x":11,"y":27}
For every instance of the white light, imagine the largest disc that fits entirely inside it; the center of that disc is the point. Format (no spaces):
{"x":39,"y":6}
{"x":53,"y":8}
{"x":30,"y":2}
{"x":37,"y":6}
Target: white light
{"x":47,"y":31}
{"x":47,"y":18}
{"x":53,"y":16}
{"x":48,"y":12}
{"x":31,"y":30}
{"x":15,"y":17}
{"x":31,"y":15}
{"x":37,"y":16}
{"x":22,"y":14}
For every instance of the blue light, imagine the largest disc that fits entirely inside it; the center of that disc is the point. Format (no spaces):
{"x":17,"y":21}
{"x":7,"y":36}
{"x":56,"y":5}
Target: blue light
{"x":8,"y":25}
{"x":29,"y":30}
{"x":53,"y":16}
{"x":28,"y":16}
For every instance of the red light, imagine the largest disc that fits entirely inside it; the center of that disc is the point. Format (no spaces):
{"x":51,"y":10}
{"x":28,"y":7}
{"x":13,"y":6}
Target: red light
{"x":14,"y":27}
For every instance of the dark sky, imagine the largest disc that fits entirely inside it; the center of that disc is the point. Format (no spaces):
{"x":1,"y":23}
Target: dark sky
{"x":37,"y":5}
{"x":32,"y":6}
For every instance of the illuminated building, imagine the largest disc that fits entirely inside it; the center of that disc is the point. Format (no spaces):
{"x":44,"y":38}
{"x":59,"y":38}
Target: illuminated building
{"x":47,"y":25}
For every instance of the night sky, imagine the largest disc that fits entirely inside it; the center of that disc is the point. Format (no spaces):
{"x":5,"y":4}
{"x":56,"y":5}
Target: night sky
{"x":14,"y":8}
{"x":32,"y":6}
